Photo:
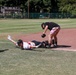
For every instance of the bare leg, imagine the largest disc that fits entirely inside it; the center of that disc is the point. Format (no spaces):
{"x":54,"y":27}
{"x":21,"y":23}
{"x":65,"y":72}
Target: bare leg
{"x":50,"y":39}
{"x":53,"y":33}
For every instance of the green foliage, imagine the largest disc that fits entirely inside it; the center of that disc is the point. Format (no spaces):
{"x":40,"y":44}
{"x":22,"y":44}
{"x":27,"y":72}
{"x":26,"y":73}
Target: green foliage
{"x":47,"y":5}
{"x":1,"y":2}
{"x":67,"y":6}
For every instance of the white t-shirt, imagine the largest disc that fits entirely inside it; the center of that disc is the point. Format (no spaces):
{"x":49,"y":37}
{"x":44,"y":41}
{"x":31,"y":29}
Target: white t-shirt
{"x":28,"y":45}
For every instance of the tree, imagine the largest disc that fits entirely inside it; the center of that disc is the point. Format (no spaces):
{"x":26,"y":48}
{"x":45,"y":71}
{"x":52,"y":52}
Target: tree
{"x":67,"y":6}
{"x":64,"y":6}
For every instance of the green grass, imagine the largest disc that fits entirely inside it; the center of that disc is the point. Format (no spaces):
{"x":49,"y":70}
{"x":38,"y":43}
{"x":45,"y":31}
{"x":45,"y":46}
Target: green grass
{"x":14,"y":61}
{"x":31,"y":25}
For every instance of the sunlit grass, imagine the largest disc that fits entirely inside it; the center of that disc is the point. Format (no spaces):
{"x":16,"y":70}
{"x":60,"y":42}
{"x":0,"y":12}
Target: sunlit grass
{"x":32,"y":25}
{"x":14,"y":61}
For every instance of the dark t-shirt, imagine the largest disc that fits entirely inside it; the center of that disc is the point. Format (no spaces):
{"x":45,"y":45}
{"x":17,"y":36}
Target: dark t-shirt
{"x":51,"y":25}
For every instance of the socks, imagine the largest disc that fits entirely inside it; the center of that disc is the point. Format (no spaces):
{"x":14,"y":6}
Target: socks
{"x":54,"y":43}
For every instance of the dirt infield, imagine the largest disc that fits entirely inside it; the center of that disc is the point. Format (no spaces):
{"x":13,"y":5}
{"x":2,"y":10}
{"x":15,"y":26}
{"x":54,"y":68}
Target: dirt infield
{"x":66,"y":39}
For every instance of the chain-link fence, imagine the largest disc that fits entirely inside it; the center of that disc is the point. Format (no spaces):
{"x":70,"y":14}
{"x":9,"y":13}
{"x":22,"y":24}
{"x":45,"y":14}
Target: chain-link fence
{"x":37,"y":15}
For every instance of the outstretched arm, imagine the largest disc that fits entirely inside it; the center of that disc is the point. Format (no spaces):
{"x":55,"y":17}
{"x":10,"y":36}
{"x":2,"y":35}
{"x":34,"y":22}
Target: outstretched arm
{"x":35,"y":46}
{"x":9,"y":38}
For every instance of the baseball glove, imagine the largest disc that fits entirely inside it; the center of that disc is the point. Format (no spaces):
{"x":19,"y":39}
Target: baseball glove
{"x":43,"y":35}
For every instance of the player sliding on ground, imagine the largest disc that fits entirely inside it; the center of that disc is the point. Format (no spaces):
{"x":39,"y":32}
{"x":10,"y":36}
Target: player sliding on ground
{"x":29,"y":45}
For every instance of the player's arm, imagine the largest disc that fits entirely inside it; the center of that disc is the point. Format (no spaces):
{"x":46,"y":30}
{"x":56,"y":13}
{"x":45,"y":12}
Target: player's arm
{"x":45,"y":29}
{"x":9,"y":38}
{"x":32,"y":47}
{"x":13,"y":42}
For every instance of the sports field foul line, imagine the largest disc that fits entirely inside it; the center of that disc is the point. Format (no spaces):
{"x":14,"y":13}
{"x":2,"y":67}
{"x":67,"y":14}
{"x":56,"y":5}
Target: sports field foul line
{"x":64,"y":49}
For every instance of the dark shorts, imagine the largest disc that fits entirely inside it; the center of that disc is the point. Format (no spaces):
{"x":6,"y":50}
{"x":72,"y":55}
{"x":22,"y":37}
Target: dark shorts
{"x":36,"y":42}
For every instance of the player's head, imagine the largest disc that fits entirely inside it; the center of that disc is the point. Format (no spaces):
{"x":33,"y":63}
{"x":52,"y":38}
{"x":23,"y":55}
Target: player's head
{"x":42,"y":25}
{"x":19,"y":42}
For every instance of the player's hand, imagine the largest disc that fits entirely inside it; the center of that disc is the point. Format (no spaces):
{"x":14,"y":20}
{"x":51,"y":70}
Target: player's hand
{"x":43,"y":35}
{"x":16,"y":44}
{"x":9,"y":37}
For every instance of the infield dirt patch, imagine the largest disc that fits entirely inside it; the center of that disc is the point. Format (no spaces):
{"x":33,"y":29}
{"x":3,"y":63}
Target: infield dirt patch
{"x":66,"y":38}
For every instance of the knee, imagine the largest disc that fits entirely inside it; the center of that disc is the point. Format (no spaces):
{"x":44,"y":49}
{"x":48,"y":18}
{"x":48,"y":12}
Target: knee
{"x":55,"y":36}
{"x":50,"y":36}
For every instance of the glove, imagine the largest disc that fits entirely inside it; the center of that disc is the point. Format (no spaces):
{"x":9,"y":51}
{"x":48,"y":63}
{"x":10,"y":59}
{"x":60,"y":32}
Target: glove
{"x":43,"y":35}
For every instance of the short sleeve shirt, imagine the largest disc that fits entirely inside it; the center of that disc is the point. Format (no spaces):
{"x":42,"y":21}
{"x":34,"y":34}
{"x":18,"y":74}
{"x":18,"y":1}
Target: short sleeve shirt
{"x":26,"y":45}
{"x":51,"y":25}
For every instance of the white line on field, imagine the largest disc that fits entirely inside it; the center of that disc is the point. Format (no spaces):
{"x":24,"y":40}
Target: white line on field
{"x":64,"y":49}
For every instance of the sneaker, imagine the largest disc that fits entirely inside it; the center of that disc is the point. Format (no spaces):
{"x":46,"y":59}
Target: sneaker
{"x":55,"y":45}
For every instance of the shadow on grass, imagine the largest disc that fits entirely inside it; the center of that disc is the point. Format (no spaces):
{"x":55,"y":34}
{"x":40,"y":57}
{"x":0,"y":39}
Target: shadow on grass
{"x":42,"y":49}
{"x":36,"y":50}
{"x":62,"y":46}
{"x":3,"y":50}
{"x":39,"y":50}
{"x":59,"y":46}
